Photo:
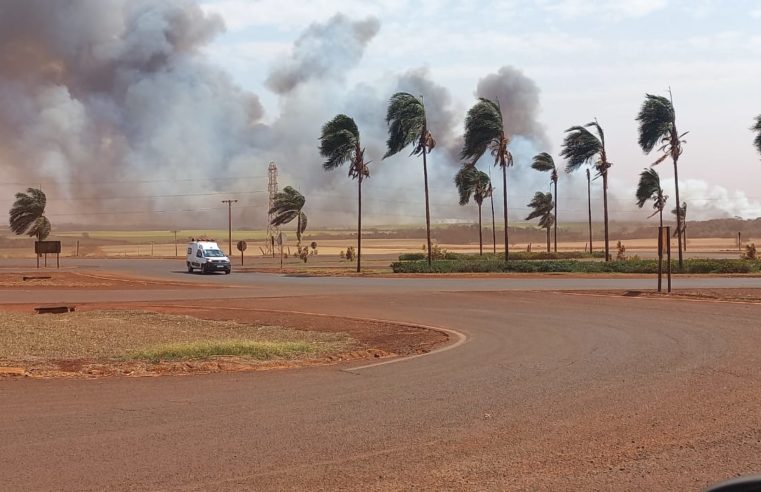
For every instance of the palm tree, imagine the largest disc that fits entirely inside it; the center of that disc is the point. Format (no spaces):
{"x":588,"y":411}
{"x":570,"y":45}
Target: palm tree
{"x":288,"y":205}
{"x":589,"y":207}
{"x":545,"y":163}
{"x":27,"y":214}
{"x":757,"y":128}
{"x":583,"y":147}
{"x":683,"y":217}
{"x":542,"y":205}
{"x":485,"y":130}
{"x":407,"y":125}
{"x":657,"y":126}
{"x":339,"y":143}
{"x":649,"y":188}
{"x":471,"y":182}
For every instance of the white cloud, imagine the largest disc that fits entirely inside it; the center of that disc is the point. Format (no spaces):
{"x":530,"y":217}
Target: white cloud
{"x":610,"y":9}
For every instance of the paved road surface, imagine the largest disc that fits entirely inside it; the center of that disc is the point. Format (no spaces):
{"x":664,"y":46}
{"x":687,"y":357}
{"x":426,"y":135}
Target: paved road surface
{"x":550,"y":392}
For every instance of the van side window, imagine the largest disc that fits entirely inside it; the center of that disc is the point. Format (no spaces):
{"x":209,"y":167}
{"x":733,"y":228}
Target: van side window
{"x":199,"y":254}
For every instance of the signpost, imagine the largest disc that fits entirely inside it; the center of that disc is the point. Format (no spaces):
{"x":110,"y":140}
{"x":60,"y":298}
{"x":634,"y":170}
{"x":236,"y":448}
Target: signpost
{"x":664,"y":246}
{"x":242,"y":247}
{"x":45,"y":247}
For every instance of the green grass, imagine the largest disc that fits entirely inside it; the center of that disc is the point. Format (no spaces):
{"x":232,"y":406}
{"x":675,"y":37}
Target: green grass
{"x":492,"y":265}
{"x":205,"y":349}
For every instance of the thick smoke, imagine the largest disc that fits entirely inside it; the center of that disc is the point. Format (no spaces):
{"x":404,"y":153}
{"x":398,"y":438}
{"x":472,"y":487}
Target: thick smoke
{"x":323,"y":51}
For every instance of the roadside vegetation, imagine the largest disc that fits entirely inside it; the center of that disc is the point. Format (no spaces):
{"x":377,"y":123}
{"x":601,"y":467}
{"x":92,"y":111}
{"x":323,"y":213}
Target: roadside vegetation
{"x":636,"y":266}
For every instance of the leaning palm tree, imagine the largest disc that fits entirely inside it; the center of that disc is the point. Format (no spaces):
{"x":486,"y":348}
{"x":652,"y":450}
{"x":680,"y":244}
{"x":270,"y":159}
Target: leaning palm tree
{"x":545,"y":163}
{"x":407,"y":125}
{"x":288,"y":205}
{"x":339,"y":143}
{"x":657,"y":126}
{"x":583,"y":147}
{"x":649,"y":188}
{"x":473,"y":183}
{"x":542,"y":206}
{"x":485,"y":130}
{"x":757,"y":128}
{"x":27,"y":214}
{"x":683,"y":226}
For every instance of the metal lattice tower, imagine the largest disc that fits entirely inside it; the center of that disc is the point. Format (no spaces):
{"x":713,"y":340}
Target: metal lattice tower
{"x":272,"y":231}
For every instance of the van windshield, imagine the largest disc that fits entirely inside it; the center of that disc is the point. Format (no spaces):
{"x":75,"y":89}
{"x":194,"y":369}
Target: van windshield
{"x":213,"y":253}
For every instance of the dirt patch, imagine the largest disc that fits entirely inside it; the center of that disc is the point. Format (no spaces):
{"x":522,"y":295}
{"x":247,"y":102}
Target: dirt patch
{"x":726,"y":295}
{"x":80,"y":280}
{"x":92,"y":342}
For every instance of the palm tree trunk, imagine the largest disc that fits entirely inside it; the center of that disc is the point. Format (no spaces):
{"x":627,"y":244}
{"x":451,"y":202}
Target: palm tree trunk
{"x":298,"y":233}
{"x":605,"y":211}
{"x":359,"y":221}
{"x":589,"y":205}
{"x":548,"y":240}
{"x":504,"y":195}
{"x":556,"y":216}
{"x":493,"y":226}
{"x":678,"y":209}
{"x":661,"y":216}
{"x":427,"y":207}
{"x":480,"y":234}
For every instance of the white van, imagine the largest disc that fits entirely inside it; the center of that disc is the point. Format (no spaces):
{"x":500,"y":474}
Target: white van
{"x":207,"y":257}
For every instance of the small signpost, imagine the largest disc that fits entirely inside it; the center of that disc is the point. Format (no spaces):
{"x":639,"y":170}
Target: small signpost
{"x":664,"y":246}
{"x":45,"y":247}
{"x":242,"y":247}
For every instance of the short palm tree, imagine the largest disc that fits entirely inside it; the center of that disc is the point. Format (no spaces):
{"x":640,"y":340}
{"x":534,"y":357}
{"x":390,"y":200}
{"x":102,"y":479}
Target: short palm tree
{"x":27,"y":214}
{"x":657,"y":126}
{"x":407,"y":125}
{"x":583,"y":147}
{"x":649,"y":188}
{"x":545,"y":163}
{"x":473,"y":183}
{"x":757,"y":128}
{"x":339,"y":143}
{"x":542,"y":206}
{"x":288,"y":205}
{"x":485,"y":130}
{"x":683,"y":218}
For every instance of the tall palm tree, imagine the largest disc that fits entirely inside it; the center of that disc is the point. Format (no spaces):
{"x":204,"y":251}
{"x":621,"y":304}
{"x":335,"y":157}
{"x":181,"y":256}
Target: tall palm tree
{"x":542,"y":206}
{"x":545,"y":163}
{"x":288,"y":205}
{"x":649,"y":188}
{"x":485,"y":130}
{"x":589,"y":207}
{"x":473,"y":183}
{"x":657,"y":126}
{"x":339,"y":143}
{"x":581,"y":147}
{"x":27,"y":214}
{"x":683,"y":218}
{"x":757,"y":128}
{"x":407,"y":125}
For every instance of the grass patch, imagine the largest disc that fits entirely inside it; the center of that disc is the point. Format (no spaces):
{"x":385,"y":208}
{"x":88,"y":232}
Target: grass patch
{"x":517,"y":255}
{"x":492,"y":265}
{"x":216,"y":348}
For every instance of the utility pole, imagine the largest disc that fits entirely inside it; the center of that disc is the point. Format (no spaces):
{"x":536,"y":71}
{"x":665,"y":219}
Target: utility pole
{"x":230,"y":223}
{"x":175,"y":242}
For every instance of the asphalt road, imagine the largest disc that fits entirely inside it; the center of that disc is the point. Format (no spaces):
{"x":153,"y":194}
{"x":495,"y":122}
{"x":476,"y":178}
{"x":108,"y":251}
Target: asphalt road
{"x":550,"y":391}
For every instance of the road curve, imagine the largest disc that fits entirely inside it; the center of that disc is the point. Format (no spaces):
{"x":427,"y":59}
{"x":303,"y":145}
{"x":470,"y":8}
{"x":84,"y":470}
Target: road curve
{"x":551,"y":392}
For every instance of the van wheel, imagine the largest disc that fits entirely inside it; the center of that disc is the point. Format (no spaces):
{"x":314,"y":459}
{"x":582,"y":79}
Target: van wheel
{"x":190,"y":268}
{"x":227,"y":272}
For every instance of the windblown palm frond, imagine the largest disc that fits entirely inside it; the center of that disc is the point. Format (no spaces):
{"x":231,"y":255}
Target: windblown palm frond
{"x":542,"y":206}
{"x":544,"y":162}
{"x":580,"y":146}
{"x":339,"y":142}
{"x":286,"y":206}
{"x":681,"y":217}
{"x":649,"y":188}
{"x":757,"y":129}
{"x":656,"y":120}
{"x":26,"y":214}
{"x":406,"y":122}
{"x":473,"y":183}
{"x":484,"y":130}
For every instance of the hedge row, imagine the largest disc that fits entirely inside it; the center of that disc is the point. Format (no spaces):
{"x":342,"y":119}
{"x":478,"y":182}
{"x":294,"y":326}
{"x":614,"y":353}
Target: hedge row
{"x":572,"y":266}
{"x":517,"y":255}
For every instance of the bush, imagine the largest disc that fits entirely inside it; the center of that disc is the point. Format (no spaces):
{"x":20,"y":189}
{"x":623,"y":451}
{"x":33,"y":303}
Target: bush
{"x":494,"y":265}
{"x":514,"y":255}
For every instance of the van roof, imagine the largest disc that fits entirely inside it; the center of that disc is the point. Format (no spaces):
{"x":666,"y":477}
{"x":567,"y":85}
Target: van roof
{"x":206,"y":244}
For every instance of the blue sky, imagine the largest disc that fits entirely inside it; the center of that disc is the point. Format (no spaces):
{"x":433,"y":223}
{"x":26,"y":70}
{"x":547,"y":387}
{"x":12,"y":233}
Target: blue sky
{"x":589,"y":58}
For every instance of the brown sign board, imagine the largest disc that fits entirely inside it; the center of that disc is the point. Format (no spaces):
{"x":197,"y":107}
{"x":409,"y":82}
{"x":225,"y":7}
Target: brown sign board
{"x":242,"y":246}
{"x":45,"y":247}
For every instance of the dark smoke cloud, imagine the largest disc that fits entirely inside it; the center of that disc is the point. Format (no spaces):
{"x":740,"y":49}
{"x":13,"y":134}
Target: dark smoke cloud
{"x":324,"y":50}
